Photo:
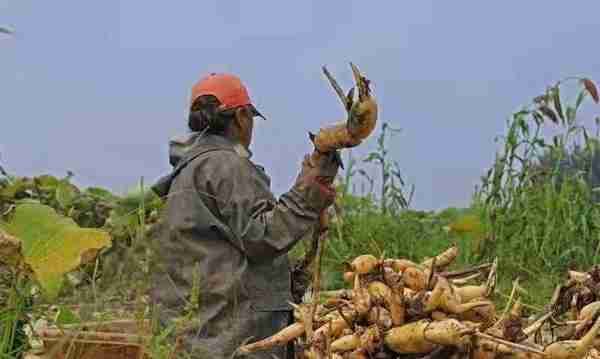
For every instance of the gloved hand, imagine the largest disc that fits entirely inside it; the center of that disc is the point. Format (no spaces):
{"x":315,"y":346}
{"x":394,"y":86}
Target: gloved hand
{"x":315,"y":181}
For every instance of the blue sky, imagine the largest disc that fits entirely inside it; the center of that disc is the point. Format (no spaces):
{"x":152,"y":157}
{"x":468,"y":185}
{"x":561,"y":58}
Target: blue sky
{"x":99,"y":87}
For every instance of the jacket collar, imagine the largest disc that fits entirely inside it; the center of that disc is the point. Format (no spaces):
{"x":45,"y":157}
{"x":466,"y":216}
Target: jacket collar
{"x":217,"y":141}
{"x":181,"y":146}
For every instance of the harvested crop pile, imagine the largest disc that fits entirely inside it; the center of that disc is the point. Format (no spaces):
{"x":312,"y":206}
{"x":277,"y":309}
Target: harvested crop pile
{"x":399,"y":308}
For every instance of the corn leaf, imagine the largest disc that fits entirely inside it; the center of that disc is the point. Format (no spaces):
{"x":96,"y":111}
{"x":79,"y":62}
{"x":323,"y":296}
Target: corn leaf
{"x":547,"y":111}
{"x":591,"y":88}
{"x":557,"y":105}
{"x":580,"y":98}
{"x":571,"y":114}
{"x":52,"y":245}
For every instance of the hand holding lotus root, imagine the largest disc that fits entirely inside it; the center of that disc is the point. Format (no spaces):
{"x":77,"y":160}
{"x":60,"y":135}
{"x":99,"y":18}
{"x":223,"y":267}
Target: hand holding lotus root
{"x":359,"y":124}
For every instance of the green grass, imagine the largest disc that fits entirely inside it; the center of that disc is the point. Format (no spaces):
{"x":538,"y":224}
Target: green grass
{"x":16,"y":306}
{"x":416,"y":235}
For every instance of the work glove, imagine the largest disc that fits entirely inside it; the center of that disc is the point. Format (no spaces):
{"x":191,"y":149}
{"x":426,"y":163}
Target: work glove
{"x":315,"y":181}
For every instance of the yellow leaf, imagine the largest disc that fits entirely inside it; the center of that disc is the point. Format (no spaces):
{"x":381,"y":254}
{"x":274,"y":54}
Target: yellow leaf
{"x":466,"y":224}
{"x":52,"y":245}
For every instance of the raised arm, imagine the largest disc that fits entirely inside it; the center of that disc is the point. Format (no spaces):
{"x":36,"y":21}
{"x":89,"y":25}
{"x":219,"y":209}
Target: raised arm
{"x":265,"y":227}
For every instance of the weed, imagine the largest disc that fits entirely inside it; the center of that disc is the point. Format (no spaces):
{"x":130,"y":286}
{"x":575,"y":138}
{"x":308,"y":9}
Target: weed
{"x":392,"y":196}
{"x":525,"y":208}
{"x":13,"y":318}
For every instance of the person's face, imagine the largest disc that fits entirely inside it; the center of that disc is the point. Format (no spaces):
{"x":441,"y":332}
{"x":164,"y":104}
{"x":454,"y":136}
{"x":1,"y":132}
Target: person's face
{"x":245,"y":123}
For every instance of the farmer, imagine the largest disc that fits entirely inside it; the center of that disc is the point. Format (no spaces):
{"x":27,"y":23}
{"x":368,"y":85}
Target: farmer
{"x":222,"y":220}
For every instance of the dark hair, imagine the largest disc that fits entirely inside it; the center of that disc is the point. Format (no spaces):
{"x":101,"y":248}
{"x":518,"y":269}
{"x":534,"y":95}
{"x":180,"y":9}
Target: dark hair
{"x":205,"y":113}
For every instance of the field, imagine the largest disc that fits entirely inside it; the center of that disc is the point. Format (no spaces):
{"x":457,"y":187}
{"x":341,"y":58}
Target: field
{"x":535,"y":211}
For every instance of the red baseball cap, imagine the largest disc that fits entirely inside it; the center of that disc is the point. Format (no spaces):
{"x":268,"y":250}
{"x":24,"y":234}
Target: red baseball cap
{"x":227,"y":88}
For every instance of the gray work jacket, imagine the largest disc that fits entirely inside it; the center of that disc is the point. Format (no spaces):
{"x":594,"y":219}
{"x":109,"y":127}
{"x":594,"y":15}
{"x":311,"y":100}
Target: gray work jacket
{"x":221,"y":215}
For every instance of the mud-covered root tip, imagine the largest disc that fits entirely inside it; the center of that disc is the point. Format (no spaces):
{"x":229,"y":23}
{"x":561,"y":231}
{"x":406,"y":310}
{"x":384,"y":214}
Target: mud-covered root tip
{"x":283,"y":337}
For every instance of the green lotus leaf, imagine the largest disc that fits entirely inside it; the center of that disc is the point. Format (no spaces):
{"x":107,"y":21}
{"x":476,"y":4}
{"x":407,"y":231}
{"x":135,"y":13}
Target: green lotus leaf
{"x":52,"y":245}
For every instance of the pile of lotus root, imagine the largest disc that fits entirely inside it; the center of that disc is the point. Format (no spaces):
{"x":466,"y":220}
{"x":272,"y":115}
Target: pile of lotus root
{"x":399,"y":308}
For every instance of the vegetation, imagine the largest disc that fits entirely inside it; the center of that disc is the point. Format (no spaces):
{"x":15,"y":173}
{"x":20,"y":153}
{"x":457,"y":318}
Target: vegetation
{"x":541,"y":222}
{"x":535,"y":210}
